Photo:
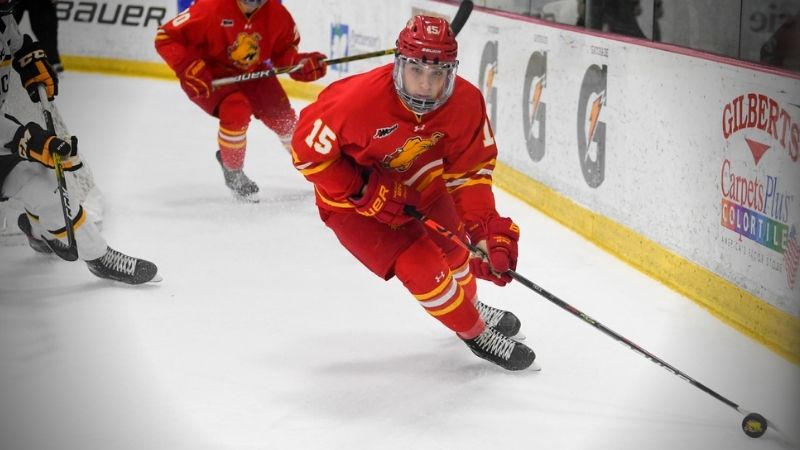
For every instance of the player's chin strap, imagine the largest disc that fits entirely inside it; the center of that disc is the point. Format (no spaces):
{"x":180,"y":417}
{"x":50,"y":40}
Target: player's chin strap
{"x":71,"y":253}
{"x":462,"y":14}
{"x":444,"y":232}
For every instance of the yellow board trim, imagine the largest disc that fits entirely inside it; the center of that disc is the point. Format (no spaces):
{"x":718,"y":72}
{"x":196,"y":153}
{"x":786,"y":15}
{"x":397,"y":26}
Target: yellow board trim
{"x":752,"y":316}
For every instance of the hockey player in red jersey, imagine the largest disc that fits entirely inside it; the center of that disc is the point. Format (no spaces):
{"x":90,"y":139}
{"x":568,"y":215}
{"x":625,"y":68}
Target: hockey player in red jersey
{"x":213,"y":39}
{"x":414,"y":133}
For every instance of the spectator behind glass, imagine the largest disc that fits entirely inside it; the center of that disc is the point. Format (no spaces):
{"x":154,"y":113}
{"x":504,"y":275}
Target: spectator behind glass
{"x":615,"y":16}
{"x":658,"y":13}
{"x":581,"y":22}
{"x":783,"y":47}
{"x":44,"y":24}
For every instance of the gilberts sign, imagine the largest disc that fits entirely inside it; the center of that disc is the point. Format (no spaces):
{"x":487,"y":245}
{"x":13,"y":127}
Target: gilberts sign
{"x":757,"y":198}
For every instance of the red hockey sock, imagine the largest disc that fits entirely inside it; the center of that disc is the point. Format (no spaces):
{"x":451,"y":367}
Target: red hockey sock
{"x":234,"y":118}
{"x":424,"y":272}
{"x":232,"y":147}
{"x":465,"y":279}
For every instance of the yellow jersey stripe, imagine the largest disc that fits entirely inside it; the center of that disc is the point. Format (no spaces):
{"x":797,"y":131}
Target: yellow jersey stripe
{"x":450,"y":308}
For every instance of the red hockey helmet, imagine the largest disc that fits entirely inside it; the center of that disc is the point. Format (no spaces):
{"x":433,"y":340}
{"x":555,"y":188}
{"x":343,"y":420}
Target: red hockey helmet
{"x":428,"y":39}
{"x":426,"y":46}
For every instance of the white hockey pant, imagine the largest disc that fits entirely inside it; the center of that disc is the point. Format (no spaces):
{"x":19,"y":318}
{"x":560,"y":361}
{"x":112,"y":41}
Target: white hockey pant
{"x":35,"y":186}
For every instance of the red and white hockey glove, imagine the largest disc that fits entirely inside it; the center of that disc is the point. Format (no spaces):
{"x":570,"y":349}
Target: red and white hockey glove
{"x":30,"y":62}
{"x":34,"y":143}
{"x":498,"y":237}
{"x":196,"y":79}
{"x":314,"y":66}
{"x":384,"y":199}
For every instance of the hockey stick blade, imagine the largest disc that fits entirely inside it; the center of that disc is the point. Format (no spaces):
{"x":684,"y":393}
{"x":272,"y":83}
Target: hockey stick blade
{"x":448,"y":234}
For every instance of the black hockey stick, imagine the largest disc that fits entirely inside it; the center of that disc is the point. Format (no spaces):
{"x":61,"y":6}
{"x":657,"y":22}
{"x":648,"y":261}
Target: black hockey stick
{"x":754,"y":424}
{"x":464,"y":10}
{"x":278,"y":71}
{"x":71,"y":253}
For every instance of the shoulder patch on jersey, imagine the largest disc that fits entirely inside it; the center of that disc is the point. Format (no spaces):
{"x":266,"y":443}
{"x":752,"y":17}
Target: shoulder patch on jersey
{"x":381,"y":133}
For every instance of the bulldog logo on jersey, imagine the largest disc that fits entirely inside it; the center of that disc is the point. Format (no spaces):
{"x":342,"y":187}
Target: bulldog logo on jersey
{"x":403,"y":157}
{"x":245,"y":50}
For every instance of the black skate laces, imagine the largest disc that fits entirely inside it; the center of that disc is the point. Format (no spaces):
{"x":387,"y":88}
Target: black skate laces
{"x":492,"y":341}
{"x":119,"y":261}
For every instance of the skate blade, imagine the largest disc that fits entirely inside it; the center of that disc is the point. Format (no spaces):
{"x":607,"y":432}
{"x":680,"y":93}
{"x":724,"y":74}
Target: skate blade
{"x":156,"y":279}
{"x":518,"y":337}
{"x":535,"y":367}
{"x":247,"y":199}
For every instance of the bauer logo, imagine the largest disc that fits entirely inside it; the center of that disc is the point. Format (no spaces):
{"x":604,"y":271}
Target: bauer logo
{"x":534,"y":109}
{"x":759,"y":180}
{"x":591,"y":128}
{"x":486,"y":79}
{"x":111,"y":13}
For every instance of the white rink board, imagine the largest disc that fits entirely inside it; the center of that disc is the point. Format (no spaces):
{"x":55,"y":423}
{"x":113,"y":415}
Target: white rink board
{"x":659,"y":161}
{"x":660,"y":171}
{"x":112,"y":29}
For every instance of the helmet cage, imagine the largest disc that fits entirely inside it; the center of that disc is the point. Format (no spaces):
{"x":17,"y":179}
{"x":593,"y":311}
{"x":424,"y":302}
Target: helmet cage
{"x":422,"y":105}
{"x":253,"y":3}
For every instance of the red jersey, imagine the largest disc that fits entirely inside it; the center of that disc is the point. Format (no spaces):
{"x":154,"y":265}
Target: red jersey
{"x":360,"y":122}
{"x":229,"y":42}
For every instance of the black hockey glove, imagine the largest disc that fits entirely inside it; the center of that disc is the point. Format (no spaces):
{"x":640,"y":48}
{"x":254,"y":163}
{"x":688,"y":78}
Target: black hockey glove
{"x":34,"y":143}
{"x":30,"y":62}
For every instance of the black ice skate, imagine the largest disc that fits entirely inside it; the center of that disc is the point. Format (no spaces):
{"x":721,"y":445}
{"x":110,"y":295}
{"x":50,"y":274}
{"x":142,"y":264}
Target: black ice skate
{"x":121,"y":267}
{"x":243,"y":188}
{"x":38,"y":245}
{"x":507,"y":353}
{"x":45,"y":246}
{"x":503,"y":321}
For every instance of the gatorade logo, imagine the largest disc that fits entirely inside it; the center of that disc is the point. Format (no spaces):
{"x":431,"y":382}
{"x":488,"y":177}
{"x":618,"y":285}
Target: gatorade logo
{"x":486,"y":80}
{"x":534,"y":110}
{"x":591,"y":128}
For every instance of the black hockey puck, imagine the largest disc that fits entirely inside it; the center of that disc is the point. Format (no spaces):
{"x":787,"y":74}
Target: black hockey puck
{"x":754,"y":425}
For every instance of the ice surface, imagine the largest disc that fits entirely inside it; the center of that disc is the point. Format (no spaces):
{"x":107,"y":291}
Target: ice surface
{"x":266,"y":334}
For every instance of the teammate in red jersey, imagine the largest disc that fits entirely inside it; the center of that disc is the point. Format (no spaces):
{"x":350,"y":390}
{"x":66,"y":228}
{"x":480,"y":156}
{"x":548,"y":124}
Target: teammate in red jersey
{"x":414,"y":133}
{"x":221,"y":38}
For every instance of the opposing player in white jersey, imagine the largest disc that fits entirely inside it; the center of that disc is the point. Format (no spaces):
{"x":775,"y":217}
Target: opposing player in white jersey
{"x":27,"y":162}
